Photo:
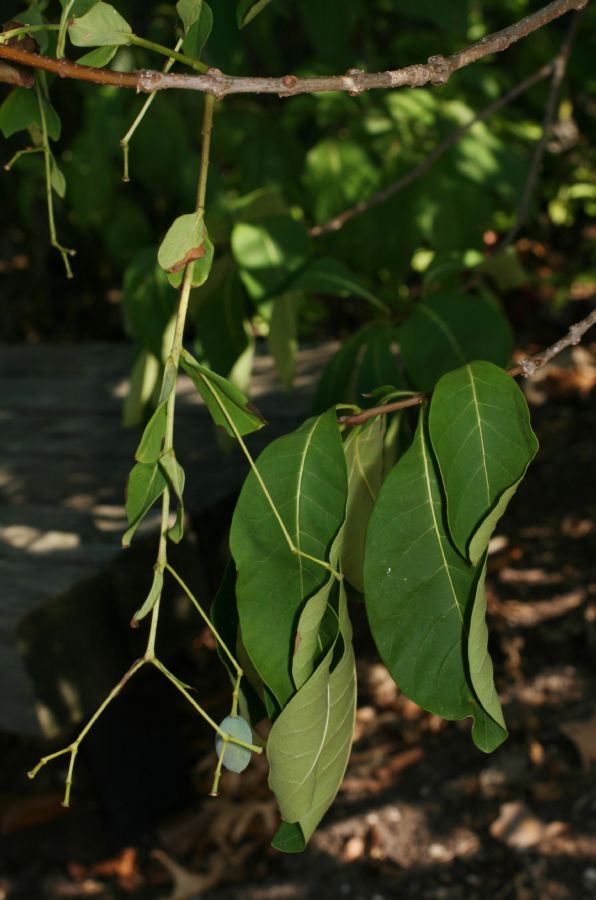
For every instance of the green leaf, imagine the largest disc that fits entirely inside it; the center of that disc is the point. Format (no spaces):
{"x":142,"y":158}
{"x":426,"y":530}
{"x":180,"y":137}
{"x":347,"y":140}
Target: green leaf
{"x":283,"y":336}
{"x":223,"y":336}
{"x":154,"y":435}
{"x":189,"y":11}
{"x":480,"y":431}
{"x":419,"y":592}
{"x":309,"y":744}
{"x":481,"y":670}
{"x":367,"y":360}
{"x":235,"y":758}
{"x":310,"y":644}
{"x":338,"y":174}
{"x":152,"y":597}
{"x":305,"y":475}
{"x":143,"y":381}
{"x":57,"y":179}
{"x":269,"y":253}
{"x":174,"y":473}
{"x":449,"y":330}
{"x":20,"y":111}
{"x":364,"y":448}
{"x":78,"y":7}
{"x":186,"y":242}
{"x":101,"y":26}
{"x":227,"y":405}
{"x":176,"y":532}
{"x":99,"y":57}
{"x":198,"y":33}
{"x":289,"y":838}
{"x":146,"y":484}
{"x":149,"y":302}
{"x":330,"y":276}
{"x":246,"y":10}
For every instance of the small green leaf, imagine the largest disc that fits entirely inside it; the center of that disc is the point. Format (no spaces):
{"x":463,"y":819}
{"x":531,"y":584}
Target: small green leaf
{"x":149,"y":303}
{"x":189,"y":11}
{"x":176,"y":532}
{"x":225,"y":402}
{"x":448,"y":330}
{"x":101,"y":26}
{"x":152,"y":597}
{"x":198,"y":33}
{"x":168,"y":384}
{"x":99,"y":57}
{"x":154,"y":435}
{"x":480,"y":430}
{"x":57,"y":179}
{"x":174,"y":473}
{"x":235,"y":758}
{"x":283,"y":336}
{"x":146,"y":484}
{"x":246,"y":10}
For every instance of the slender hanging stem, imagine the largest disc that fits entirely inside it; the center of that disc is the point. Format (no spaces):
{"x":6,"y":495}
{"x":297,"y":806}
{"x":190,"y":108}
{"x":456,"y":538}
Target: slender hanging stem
{"x":65,"y":252}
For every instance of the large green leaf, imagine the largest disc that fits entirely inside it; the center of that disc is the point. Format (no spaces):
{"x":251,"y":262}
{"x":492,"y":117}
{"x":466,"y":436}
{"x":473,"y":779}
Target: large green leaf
{"x":331,"y":276}
{"x":309,"y":744}
{"x":364,"y":448}
{"x":419,"y":591}
{"x":448,"y":330}
{"x":480,"y":431}
{"x":305,"y":475}
{"x":269,"y":252}
{"x":228,"y":406}
{"x":367,"y":360}
{"x":101,"y":26}
{"x":246,"y":10}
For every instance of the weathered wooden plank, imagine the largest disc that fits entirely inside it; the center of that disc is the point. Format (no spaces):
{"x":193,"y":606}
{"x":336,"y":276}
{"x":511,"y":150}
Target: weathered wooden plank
{"x":64,"y":462}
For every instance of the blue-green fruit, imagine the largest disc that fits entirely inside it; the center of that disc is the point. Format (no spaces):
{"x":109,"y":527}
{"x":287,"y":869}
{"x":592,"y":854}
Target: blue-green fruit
{"x":235,"y":758}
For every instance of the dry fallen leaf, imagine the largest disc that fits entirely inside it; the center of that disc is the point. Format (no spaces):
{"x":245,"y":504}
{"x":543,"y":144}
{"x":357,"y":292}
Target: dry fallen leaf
{"x":518,"y":827}
{"x":583,"y":735}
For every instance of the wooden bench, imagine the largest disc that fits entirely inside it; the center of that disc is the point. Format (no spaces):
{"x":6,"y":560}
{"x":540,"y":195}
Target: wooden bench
{"x":67,"y":588}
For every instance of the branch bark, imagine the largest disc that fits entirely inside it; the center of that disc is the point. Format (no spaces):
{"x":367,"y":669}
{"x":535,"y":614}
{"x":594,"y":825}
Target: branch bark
{"x":527,"y":368}
{"x":437,"y":69}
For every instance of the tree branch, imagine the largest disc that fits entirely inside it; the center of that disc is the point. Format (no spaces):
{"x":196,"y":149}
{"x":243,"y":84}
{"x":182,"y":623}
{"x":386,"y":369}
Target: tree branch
{"x":436,"y":70}
{"x":527,"y":368}
{"x":422,"y":168}
{"x":550,"y":113}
